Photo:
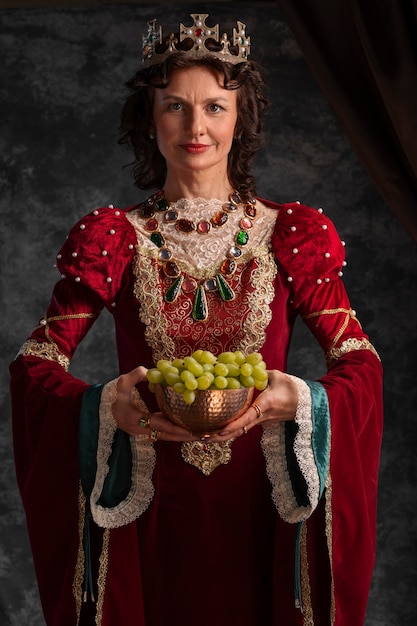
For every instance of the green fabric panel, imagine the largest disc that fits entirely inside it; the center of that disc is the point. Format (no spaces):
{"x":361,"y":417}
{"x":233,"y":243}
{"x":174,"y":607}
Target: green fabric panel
{"x":118,"y":481}
{"x":321,"y":430}
{"x":88,"y":437}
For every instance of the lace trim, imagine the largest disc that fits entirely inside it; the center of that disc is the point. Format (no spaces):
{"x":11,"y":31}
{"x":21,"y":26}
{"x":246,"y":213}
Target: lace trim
{"x":329,"y":536}
{"x":260,"y":314}
{"x":77,"y":584}
{"x":308,"y":616}
{"x":348,"y":346}
{"x":202,"y":255}
{"x":273,"y":446}
{"x":45,"y":350}
{"x":143,"y":463}
{"x":102,"y":575}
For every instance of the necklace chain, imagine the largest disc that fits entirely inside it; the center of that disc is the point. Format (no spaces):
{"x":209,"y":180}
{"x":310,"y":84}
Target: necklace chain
{"x":157,"y":206}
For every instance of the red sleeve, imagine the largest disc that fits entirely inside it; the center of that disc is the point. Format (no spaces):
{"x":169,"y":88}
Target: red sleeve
{"x":46,"y":398}
{"x":310,"y":259}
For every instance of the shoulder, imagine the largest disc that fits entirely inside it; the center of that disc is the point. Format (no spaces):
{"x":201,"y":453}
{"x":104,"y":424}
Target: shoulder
{"x":98,"y":248}
{"x":306,"y":243}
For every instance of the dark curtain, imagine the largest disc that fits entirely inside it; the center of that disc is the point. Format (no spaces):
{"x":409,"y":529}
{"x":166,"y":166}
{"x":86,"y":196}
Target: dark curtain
{"x":363,"y":54}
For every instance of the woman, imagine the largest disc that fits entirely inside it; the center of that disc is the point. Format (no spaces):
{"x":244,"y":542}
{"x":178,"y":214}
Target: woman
{"x":269,"y":522}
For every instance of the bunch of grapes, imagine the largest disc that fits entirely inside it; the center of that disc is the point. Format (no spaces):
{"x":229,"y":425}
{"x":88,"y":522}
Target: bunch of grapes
{"x":203,"y":370}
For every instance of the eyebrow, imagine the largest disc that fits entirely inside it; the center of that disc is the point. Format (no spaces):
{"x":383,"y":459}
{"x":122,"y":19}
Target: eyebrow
{"x":165,"y":97}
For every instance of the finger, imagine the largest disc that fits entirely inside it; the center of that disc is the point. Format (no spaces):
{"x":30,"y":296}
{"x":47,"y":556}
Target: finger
{"x":130,"y":379}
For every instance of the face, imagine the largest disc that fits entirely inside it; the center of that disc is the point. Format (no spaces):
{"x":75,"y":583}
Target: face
{"x":195,"y":119}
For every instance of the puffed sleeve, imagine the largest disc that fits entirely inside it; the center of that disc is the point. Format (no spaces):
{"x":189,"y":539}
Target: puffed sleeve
{"x":310,"y":258}
{"x":47,"y":399}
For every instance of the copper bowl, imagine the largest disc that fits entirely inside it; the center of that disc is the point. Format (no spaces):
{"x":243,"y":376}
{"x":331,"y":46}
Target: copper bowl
{"x":211,"y":410}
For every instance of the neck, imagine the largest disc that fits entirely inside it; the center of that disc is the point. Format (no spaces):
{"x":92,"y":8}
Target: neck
{"x":197,"y":187}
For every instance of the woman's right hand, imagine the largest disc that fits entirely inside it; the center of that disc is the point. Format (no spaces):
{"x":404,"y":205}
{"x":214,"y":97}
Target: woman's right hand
{"x":136,"y":421}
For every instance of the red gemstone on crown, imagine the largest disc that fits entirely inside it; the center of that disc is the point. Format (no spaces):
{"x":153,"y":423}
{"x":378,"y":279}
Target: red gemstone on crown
{"x":250,"y":211}
{"x":189,"y":285}
{"x":246,"y":223}
{"x":198,"y":32}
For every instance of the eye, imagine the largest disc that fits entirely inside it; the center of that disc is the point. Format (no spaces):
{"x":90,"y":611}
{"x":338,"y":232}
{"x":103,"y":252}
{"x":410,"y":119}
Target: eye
{"x":215,"y":108}
{"x":175,"y":106}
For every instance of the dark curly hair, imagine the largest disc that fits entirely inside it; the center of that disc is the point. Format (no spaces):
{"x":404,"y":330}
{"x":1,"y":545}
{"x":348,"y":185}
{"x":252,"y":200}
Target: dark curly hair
{"x":149,"y":168}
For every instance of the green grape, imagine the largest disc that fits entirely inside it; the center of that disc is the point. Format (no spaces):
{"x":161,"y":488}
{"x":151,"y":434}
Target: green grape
{"x":233,"y":383}
{"x":154,"y":375}
{"x":221,"y":369}
{"x":254,"y":358}
{"x":178,"y":363}
{"x":162,"y":364}
{"x":208,"y":358}
{"x":260,"y":385}
{"x":197,"y":354}
{"x":208,"y":367}
{"x":186,"y":375}
{"x":234,"y":369}
{"x":226,"y":357}
{"x":179,"y":387}
{"x":246,"y":369}
{"x":247,"y":381}
{"x":204,"y":381}
{"x":151,"y":387}
{"x":239,"y":357}
{"x":171,"y":378}
{"x":191,"y":383}
{"x":259,"y":373}
{"x":193,"y":366}
{"x":220,"y":382}
{"x":189,"y":396}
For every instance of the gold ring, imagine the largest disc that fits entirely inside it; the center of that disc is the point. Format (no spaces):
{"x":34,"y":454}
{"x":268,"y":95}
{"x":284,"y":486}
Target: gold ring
{"x":258,"y":411}
{"x":245,"y":430}
{"x":154,"y":435}
{"x":144,"y":422}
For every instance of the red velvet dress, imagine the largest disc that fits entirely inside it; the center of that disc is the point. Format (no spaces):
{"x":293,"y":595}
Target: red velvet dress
{"x":188,"y":548}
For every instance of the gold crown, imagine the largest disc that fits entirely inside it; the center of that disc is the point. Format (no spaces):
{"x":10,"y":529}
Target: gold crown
{"x":194,"y":41}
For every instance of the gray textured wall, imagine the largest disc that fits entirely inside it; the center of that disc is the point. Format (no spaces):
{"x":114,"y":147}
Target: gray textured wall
{"x":62,"y":74}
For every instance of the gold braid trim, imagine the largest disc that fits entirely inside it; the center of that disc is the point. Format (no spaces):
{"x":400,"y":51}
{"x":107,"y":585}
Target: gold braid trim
{"x":77,"y":585}
{"x":329,"y":536}
{"x":349,"y":314}
{"x":102,"y":575}
{"x":47,"y":351}
{"x":350,"y":345}
{"x":308,"y":616}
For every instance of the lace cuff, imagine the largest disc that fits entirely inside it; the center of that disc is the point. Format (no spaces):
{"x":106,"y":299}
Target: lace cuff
{"x":141,"y":490}
{"x":296,"y":458}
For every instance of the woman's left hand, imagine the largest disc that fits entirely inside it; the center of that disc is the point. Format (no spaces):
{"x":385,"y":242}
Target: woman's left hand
{"x":278,"y":403}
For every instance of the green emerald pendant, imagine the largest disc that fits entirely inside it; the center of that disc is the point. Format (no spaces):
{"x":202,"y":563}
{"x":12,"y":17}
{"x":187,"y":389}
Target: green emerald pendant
{"x":171,"y":294}
{"x":200,"y":309}
{"x":225,"y":290}
{"x":157,"y":239}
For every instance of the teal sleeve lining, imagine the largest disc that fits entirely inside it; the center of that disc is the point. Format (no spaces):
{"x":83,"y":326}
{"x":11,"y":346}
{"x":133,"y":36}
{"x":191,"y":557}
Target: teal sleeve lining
{"x":320,"y":414}
{"x":118,"y":481}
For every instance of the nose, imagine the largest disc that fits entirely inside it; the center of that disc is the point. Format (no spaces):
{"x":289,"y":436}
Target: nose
{"x":195,"y":122}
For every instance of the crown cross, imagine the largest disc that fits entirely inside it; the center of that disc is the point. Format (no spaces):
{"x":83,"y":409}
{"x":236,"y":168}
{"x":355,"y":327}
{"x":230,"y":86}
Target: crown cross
{"x":199,"y":32}
{"x":155,"y":49}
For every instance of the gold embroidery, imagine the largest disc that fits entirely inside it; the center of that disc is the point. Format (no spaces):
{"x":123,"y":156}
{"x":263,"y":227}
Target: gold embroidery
{"x":207,"y":456}
{"x":77,"y":585}
{"x":72,"y":316}
{"x":170,"y":329}
{"x":308,"y":617}
{"x":348,"y":346}
{"x":349,"y":314}
{"x":329,"y":535}
{"x":102,"y":575}
{"x":47,"y":351}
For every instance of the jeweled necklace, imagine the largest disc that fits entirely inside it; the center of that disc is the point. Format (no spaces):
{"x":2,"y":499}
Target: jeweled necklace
{"x":157,"y":205}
